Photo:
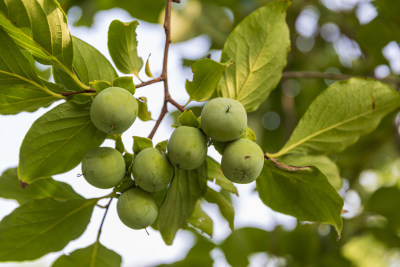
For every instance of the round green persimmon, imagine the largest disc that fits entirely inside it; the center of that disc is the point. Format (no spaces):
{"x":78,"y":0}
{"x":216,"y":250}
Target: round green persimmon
{"x":223,"y":119}
{"x":103,"y":167}
{"x":137,"y":209}
{"x":152,"y":170}
{"x":242,"y":161}
{"x":114,"y":110}
{"x":187,"y":148}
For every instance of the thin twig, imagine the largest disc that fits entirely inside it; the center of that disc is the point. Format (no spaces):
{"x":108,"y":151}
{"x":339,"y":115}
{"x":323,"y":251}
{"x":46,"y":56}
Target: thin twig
{"x":104,"y":217}
{"x":331,"y":76}
{"x":178,"y":106}
{"x":283,"y":166}
{"x":158,"y":122}
{"x":155,"y":80}
{"x":78,"y":92}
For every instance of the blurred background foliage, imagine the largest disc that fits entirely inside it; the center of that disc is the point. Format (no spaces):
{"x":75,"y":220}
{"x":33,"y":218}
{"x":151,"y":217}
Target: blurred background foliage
{"x":354,"y":37}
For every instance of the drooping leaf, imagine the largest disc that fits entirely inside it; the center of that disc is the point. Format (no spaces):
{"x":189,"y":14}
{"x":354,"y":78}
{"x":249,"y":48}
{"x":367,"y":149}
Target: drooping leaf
{"x":187,"y":118}
{"x":122,"y":45}
{"x":200,"y":220}
{"x":258,"y":47}
{"x":57,"y":142}
{"x":225,"y":207}
{"x":125,"y":82}
{"x":214,"y":173}
{"x":20,"y":88}
{"x":340,"y":115}
{"x":186,"y":188}
{"x":303,"y":193}
{"x":95,"y":255}
{"x":207,"y":74}
{"x":11,"y":188}
{"x":140,"y":143}
{"x":41,"y":226}
{"x":147,"y":69}
{"x":162,"y":145}
{"x":48,"y":37}
{"x":322,"y":162}
{"x":144,"y":114}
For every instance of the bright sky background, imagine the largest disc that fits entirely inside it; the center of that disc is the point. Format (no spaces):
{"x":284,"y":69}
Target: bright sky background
{"x":135,"y":246}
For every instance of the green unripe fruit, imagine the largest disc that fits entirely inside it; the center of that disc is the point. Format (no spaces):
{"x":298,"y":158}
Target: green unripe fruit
{"x":242,"y":161}
{"x":137,"y":209}
{"x":103,"y":167}
{"x":152,"y":170}
{"x":223,"y":119}
{"x":113,"y":110}
{"x":187,"y":148}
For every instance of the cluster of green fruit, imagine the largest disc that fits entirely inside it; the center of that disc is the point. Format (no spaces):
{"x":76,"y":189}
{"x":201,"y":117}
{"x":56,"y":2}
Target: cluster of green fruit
{"x":224,"y":120}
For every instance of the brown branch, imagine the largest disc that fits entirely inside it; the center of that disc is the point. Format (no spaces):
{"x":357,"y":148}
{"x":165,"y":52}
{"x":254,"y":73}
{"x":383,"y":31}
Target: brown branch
{"x":177,"y":105}
{"x":158,"y":122}
{"x":283,"y":166}
{"x":331,"y":76}
{"x":104,"y":217}
{"x":78,"y":92}
{"x":155,"y":80}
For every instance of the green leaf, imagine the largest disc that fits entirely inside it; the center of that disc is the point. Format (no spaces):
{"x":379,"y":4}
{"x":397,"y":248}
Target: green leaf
{"x":224,"y":205}
{"x":147,"y":69}
{"x":200,"y":220}
{"x":340,"y":115}
{"x":20,"y":87}
{"x":140,"y":143}
{"x":122,"y":45}
{"x":100,"y":85}
{"x":95,"y":255}
{"x":125,"y":82}
{"x":144,"y":114}
{"x":303,"y":193}
{"x":186,"y":188}
{"x":47,"y":37}
{"x":249,"y":134}
{"x":322,"y":162}
{"x":57,"y":142}
{"x":41,"y":226}
{"x":187,"y":118}
{"x":258,"y":47}
{"x":214,"y":173}
{"x":162,"y":146}
{"x":382,"y":202}
{"x":11,"y":188}
{"x":207,"y":74}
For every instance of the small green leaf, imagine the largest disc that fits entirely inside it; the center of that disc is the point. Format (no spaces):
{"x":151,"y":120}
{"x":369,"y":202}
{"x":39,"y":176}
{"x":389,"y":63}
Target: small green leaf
{"x":49,"y":38}
{"x":187,"y":118}
{"x":186,"y":188}
{"x":340,"y":115}
{"x":224,"y":205}
{"x":249,"y":134}
{"x":11,"y":188}
{"x":57,"y":142}
{"x":162,"y":146}
{"x":119,"y":145}
{"x":214,"y":173}
{"x":100,"y":85}
{"x":95,"y":255}
{"x":322,"y":162}
{"x":258,"y":47}
{"x":144,"y":114}
{"x":140,"y":143}
{"x":125,"y":82}
{"x":41,"y":226}
{"x":303,"y":193}
{"x":200,"y":220}
{"x":147,"y":69}
{"x":122,"y":45}
{"x":207,"y":74}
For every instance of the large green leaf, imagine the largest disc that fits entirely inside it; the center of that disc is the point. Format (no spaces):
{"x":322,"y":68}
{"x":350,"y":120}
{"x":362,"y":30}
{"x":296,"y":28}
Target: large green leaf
{"x":382,"y":202}
{"x":20,"y":88}
{"x":122,"y":45}
{"x":41,"y":226}
{"x":39,"y":26}
{"x":89,"y":65}
{"x":57,"y":142}
{"x":200,"y":219}
{"x":214,"y":173}
{"x":207,"y":74}
{"x":11,"y":188}
{"x":258,"y":47}
{"x":224,"y":205}
{"x":303,"y":193}
{"x":340,"y":115}
{"x":95,"y":255}
{"x":186,"y":188}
